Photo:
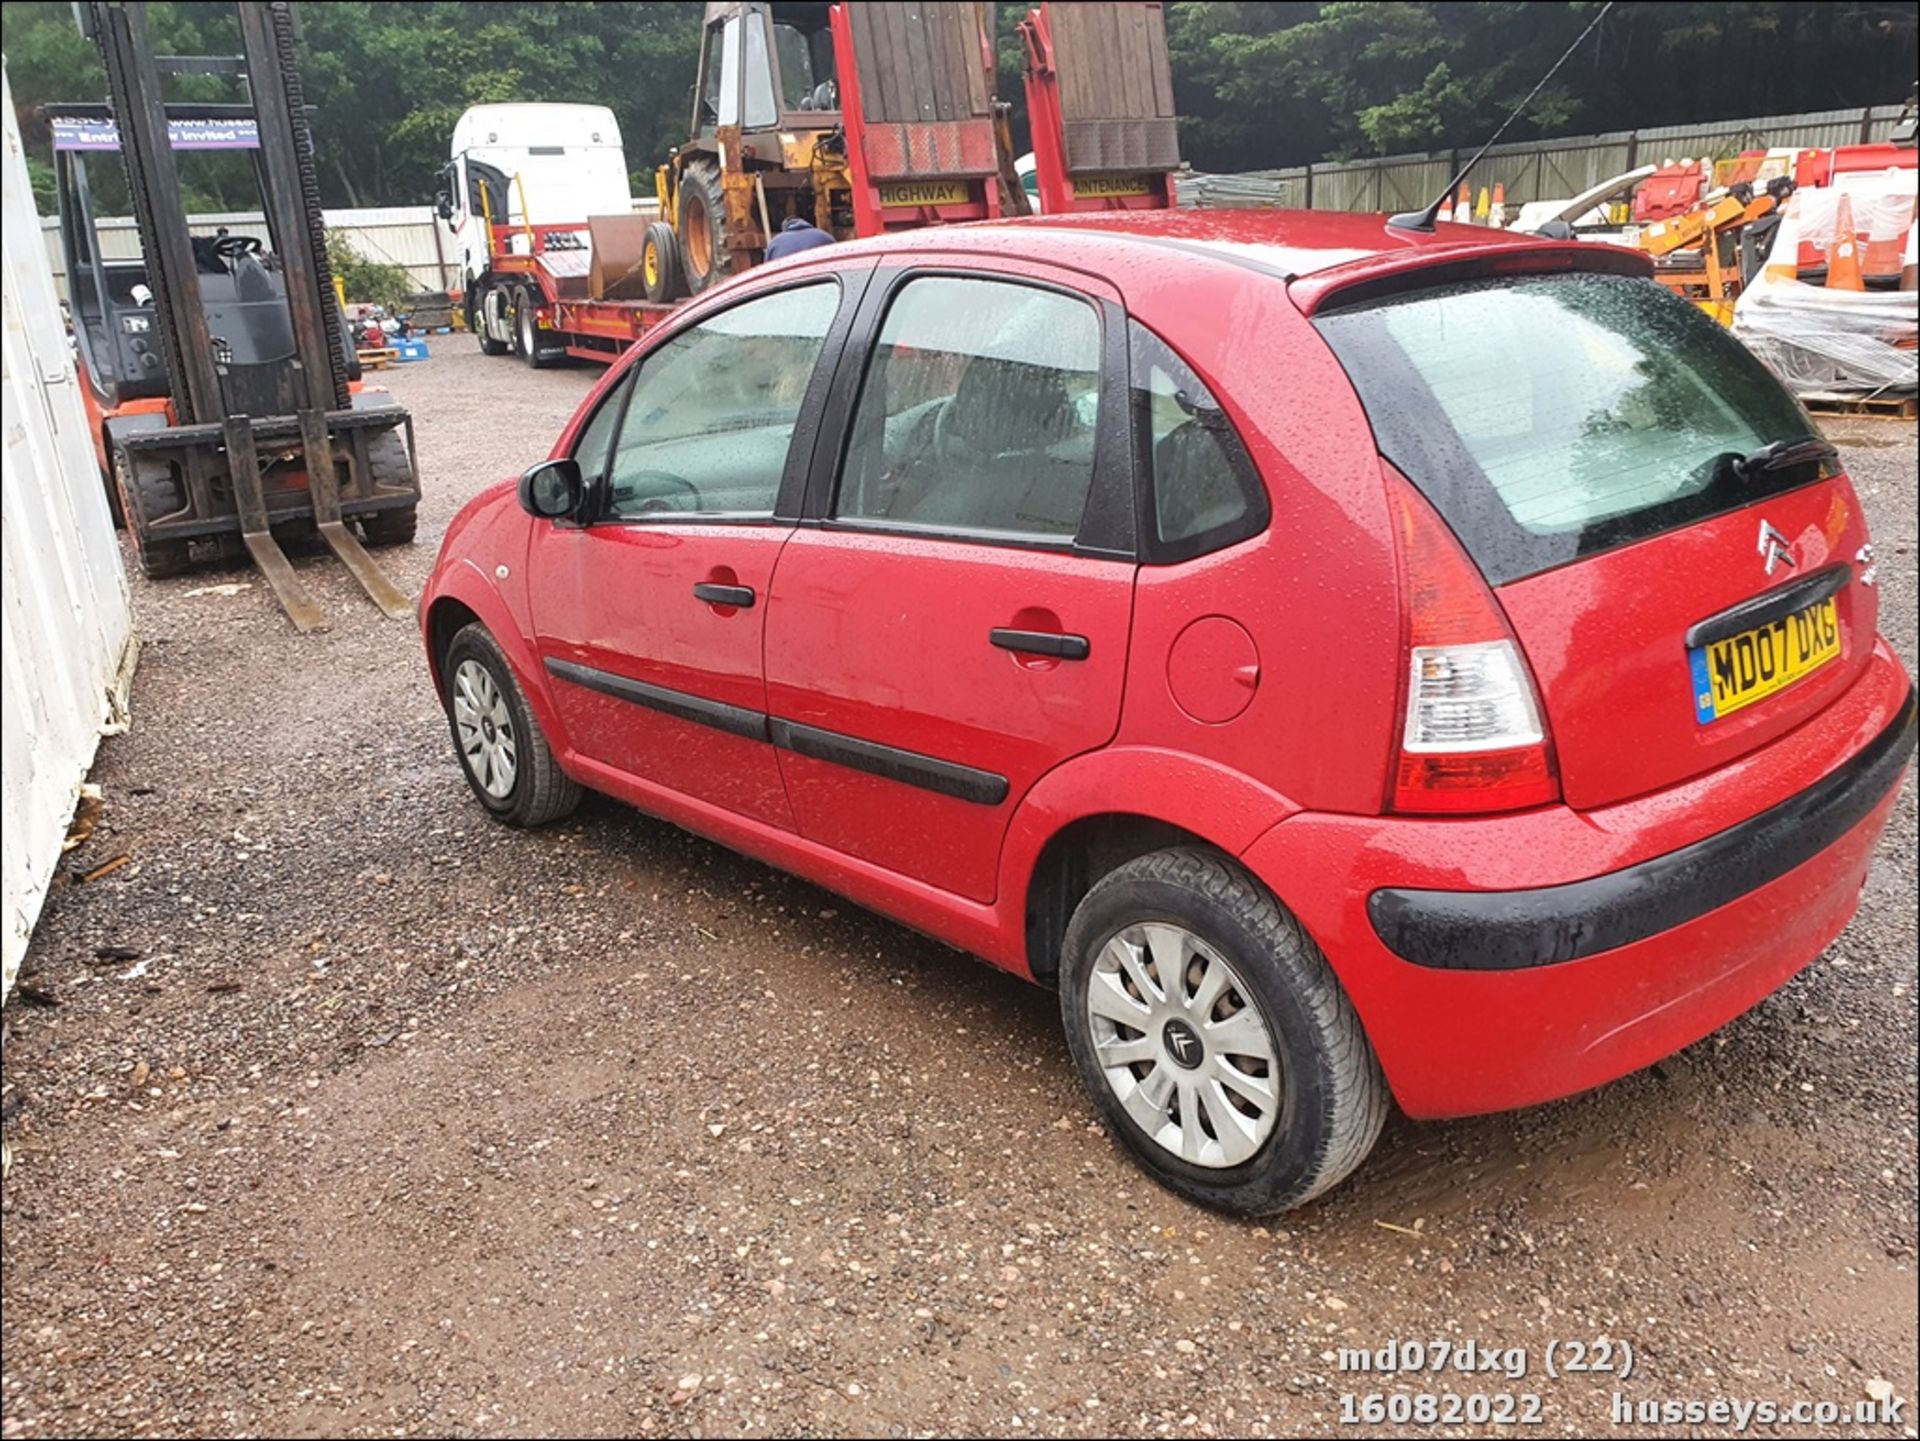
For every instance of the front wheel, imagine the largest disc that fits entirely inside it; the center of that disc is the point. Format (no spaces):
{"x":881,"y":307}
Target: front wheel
{"x":505,"y":757}
{"x":479,"y":318}
{"x":1217,"y":1043}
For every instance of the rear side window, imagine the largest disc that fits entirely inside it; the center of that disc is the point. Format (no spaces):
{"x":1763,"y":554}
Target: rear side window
{"x":1554,"y":417}
{"x":978,"y":412}
{"x":1206,"y":492}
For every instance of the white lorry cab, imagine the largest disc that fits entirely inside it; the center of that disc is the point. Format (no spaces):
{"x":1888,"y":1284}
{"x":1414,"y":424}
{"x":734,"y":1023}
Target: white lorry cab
{"x":524,"y":165}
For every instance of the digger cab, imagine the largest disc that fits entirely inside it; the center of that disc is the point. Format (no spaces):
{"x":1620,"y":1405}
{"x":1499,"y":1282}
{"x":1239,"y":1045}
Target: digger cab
{"x":766,"y":68}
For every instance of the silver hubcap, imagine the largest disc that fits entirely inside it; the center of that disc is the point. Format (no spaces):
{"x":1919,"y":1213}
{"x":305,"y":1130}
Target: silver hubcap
{"x":485,"y":728}
{"x":1183,"y":1046}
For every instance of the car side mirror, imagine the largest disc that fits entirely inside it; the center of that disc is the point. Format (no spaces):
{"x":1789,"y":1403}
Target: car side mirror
{"x":553,"y":489}
{"x":443,"y":205}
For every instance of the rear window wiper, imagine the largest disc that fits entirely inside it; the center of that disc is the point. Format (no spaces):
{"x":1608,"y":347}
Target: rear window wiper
{"x":1783,"y":453}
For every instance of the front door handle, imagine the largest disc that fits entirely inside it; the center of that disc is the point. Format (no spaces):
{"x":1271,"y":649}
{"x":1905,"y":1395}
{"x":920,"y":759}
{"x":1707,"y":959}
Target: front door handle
{"x":713,"y":594}
{"x":1041,"y":642}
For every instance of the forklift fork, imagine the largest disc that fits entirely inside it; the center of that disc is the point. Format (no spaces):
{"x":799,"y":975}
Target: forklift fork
{"x":250,"y":500}
{"x":324,"y":486}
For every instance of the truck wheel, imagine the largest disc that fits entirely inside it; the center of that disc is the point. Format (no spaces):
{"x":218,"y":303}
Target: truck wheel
{"x":526,"y":329}
{"x":660,"y":266}
{"x":147,"y":491}
{"x":1214,"y":1037}
{"x":506,"y":759}
{"x":477,"y":323}
{"x":703,"y":225}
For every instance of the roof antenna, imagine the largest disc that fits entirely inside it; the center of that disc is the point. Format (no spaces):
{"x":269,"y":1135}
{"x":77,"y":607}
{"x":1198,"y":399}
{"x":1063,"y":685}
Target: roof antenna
{"x":1423,"y":219}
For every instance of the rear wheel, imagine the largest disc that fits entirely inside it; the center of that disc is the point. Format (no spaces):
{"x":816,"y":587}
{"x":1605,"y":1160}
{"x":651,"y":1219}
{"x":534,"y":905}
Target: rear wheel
{"x":703,"y":231}
{"x":148,"y":491}
{"x":536,"y":351}
{"x":504,"y":756}
{"x":1214,"y":1037}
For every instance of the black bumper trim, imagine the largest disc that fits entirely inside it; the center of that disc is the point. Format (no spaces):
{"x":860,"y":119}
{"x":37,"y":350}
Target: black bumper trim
{"x":1514,"y":930}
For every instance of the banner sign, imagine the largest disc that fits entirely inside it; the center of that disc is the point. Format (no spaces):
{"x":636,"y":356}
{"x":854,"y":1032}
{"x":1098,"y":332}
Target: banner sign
{"x":73,"y":134}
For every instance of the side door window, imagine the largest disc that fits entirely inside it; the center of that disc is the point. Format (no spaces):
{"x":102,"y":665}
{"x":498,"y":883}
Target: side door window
{"x":706,"y":113}
{"x":978,"y":413}
{"x":706,"y":428}
{"x":1206,"y":490}
{"x":593,"y":446}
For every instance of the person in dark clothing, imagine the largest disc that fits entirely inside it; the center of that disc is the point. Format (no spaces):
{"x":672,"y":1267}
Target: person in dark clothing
{"x":795,"y":236}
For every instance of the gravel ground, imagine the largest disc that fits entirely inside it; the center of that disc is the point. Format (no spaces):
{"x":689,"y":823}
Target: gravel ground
{"x":387,"y":1120}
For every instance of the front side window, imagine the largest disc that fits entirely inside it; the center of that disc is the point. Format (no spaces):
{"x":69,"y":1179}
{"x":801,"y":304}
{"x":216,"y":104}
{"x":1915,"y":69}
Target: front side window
{"x":712,"y":71}
{"x":592,"y":449}
{"x":1206,"y":492}
{"x":713,"y":409}
{"x":978,"y":412}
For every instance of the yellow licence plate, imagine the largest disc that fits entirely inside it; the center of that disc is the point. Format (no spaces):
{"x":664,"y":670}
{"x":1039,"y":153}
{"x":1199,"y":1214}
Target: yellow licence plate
{"x":924,"y":192}
{"x":1732,"y":673}
{"x":1102,"y":186}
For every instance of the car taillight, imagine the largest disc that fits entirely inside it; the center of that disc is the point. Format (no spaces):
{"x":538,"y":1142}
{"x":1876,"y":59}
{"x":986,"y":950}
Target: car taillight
{"x":1472,"y":738}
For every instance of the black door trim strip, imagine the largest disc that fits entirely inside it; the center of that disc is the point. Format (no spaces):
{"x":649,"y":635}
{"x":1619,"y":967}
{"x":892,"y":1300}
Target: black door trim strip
{"x":1512,"y":930}
{"x":947,"y":778}
{"x":734,"y":720}
{"x":1772,"y":605}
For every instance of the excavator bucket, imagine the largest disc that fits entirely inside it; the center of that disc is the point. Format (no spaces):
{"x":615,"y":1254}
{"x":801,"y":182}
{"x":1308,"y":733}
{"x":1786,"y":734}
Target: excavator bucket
{"x":918,"y":103}
{"x":1100,"y":102}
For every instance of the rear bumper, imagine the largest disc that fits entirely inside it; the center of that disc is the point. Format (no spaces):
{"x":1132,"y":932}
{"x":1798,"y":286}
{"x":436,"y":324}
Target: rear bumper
{"x":1504,"y":961}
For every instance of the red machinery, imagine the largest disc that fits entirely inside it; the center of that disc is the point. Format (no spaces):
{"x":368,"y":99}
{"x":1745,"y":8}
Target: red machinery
{"x":1100,"y":102}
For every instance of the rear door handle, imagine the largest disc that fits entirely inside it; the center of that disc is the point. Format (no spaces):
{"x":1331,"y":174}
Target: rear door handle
{"x":1041,"y":642}
{"x":712,"y":594}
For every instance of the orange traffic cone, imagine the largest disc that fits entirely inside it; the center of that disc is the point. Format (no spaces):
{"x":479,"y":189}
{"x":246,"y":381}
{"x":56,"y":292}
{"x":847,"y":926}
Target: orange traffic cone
{"x":1463,"y":206}
{"x":1498,"y":214}
{"x":1843,"y":255}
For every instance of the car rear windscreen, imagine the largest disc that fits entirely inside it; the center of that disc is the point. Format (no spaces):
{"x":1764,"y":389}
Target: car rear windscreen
{"x":1548,"y":418}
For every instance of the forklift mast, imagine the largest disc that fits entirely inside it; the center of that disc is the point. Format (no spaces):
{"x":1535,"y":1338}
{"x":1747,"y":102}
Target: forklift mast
{"x":263,"y":425}
{"x":317,"y":378}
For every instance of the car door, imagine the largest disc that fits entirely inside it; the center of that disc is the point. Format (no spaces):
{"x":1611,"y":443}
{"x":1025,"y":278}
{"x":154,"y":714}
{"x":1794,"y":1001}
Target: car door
{"x":951,"y":622}
{"x":649,"y":617}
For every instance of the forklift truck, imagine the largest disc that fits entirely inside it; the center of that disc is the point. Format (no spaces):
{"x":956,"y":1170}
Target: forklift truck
{"x":217,"y":370}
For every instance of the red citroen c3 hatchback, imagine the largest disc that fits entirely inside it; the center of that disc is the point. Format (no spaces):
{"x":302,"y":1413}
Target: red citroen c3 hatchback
{"x":1346,"y":662}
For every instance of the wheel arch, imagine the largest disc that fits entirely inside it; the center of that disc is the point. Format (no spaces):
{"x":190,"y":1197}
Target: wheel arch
{"x":1068,"y":832}
{"x":463,"y":598}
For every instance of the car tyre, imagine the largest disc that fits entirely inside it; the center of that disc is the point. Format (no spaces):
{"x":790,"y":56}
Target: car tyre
{"x":660,"y":265}
{"x":1275,"y":1015}
{"x":503,"y":754}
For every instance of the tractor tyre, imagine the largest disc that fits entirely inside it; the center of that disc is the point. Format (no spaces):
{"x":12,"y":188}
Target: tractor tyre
{"x":661,"y":267}
{"x":703,"y":226}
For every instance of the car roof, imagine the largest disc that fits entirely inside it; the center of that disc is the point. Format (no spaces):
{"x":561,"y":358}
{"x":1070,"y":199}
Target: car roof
{"x":1329,"y":250}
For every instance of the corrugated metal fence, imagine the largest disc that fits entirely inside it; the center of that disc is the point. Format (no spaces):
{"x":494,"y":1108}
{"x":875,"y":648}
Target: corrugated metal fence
{"x":1530,"y":170}
{"x":68,"y":626}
